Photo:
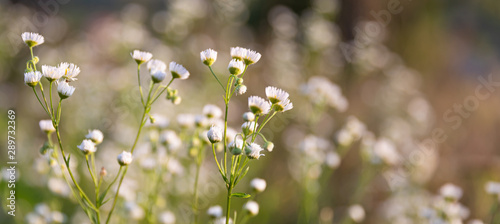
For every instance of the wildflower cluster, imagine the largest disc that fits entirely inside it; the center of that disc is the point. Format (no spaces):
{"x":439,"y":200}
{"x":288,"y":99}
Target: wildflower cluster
{"x":242,"y":145}
{"x":62,"y":76}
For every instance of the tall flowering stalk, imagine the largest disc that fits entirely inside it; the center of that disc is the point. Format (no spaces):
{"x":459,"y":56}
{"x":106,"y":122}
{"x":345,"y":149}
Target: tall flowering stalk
{"x":61,"y":76}
{"x":243,"y":147}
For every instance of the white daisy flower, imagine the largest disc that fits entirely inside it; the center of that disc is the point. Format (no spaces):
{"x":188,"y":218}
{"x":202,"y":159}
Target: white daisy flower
{"x":238,"y":53}
{"x":214,"y":212}
{"x":32,"y":39}
{"x":32,"y":78}
{"x":95,"y":135}
{"x":386,"y":150}
{"x":253,"y":151}
{"x":251,"y":207}
{"x":70,"y":71}
{"x":276,"y":95}
{"x":170,"y":140}
{"x":87,"y":147}
{"x":178,"y":71}
{"x":258,"y":185}
{"x":158,"y":76}
{"x":236,"y":147}
{"x":215,"y":134}
{"x":208,"y":56}
{"x":451,"y":191}
{"x":258,"y":105}
{"x":251,"y":57}
{"x":64,"y":89}
{"x":141,"y":56}
{"x":236,"y":67}
{"x":125,"y":158}
{"x":283,"y":106}
{"x":212,"y":111}
{"x":248,"y":127}
{"x":156,"y":65}
{"x":47,"y":126}
{"x":53,"y":73}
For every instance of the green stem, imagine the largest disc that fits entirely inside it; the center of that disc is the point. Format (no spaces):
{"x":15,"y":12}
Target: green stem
{"x":228,"y":206}
{"x":163,"y":90}
{"x":139,"y":81}
{"x":210,"y":67}
{"x":267,"y":119}
{"x":82,"y":193}
{"x":90,"y":171}
{"x":195,"y":200}
{"x":217,"y":161}
{"x":50,"y":95}
{"x":38,"y":98}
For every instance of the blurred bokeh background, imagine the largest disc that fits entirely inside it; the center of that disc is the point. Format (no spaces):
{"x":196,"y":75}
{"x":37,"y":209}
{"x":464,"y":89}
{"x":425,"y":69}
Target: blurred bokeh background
{"x":408,"y":70}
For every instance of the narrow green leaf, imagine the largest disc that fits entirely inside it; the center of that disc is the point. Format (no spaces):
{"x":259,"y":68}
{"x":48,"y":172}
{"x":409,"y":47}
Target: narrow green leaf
{"x":240,"y":195}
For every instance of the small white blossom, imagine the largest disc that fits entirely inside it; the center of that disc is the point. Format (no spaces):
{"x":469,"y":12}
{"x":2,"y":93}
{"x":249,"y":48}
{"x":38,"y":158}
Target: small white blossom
{"x":158,"y":76}
{"x":214,"y":212}
{"x":167,"y":218}
{"x":276,"y":95}
{"x":386,"y":151}
{"x":249,"y":127}
{"x":252,"y":208}
{"x":65,"y":90}
{"x":357,"y":213}
{"x":141,"y":56}
{"x":258,"y":185}
{"x":236,"y":147}
{"x":283,"y":106}
{"x":332,"y":160}
{"x":236,"y":67}
{"x":87,"y":147}
{"x":253,"y":151}
{"x":212,"y":111}
{"x":95,"y":135}
{"x":215,"y":134}
{"x":32,"y":78}
{"x":124,"y":158}
{"x":269,"y":146}
{"x":178,"y":71}
{"x":53,"y":73}
{"x":238,"y":53}
{"x":70,"y":71}
{"x":32,"y":39}
{"x":46,"y":126}
{"x":156,"y":65}
{"x":248,"y":116}
{"x":251,"y":57}
{"x":208,"y":56}
{"x":451,"y":191}
{"x":258,"y":105}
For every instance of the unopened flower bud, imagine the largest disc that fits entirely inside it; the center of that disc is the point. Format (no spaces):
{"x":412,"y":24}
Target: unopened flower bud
{"x":258,"y":185}
{"x":248,"y":116}
{"x":252,"y":208}
{"x":214,"y":134}
{"x":236,"y":147}
{"x":239,"y":81}
{"x":103,"y":172}
{"x":269,"y":146}
{"x":125,"y":158}
{"x":176,"y":100}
